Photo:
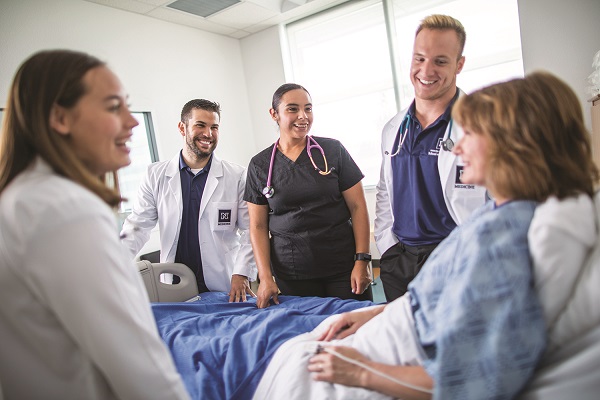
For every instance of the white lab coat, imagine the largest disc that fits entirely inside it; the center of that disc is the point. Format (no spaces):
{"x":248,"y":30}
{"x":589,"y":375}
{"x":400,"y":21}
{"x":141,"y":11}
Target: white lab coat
{"x":460,"y":199}
{"x":225,"y":246}
{"x":75,"y":319}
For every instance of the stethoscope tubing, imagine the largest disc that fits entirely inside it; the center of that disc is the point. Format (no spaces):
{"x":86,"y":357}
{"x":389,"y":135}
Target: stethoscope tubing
{"x":271,"y":162}
{"x":447,"y":143}
{"x":269,"y":191}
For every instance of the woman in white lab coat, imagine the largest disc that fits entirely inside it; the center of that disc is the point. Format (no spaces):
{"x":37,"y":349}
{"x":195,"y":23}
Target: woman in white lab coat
{"x":75,"y":320}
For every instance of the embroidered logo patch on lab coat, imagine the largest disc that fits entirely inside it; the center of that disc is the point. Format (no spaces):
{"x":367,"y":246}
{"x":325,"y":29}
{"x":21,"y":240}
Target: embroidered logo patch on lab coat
{"x":224,"y":217}
{"x":458,"y":181}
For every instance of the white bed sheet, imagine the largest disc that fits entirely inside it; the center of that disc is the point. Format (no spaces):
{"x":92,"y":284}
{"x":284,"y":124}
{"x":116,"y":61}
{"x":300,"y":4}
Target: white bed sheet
{"x":287,"y":375}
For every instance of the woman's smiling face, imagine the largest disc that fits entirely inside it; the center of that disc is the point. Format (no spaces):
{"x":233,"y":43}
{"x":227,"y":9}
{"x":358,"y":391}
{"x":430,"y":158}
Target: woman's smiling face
{"x":294,"y":114}
{"x":473,"y":148}
{"x":100,"y":124}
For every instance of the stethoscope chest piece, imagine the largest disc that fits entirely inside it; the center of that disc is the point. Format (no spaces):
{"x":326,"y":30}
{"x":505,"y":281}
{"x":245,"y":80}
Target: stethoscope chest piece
{"x":268,"y":191}
{"x":448,"y":144}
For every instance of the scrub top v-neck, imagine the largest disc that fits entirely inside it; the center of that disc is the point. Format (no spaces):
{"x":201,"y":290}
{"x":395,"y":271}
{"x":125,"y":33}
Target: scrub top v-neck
{"x":309,"y":222}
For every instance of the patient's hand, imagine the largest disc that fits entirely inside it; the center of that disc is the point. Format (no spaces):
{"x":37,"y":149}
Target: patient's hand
{"x":240,"y":287}
{"x":348,"y":323}
{"x":347,"y":366}
{"x":267,"y":289}
{"x":330,"y":368}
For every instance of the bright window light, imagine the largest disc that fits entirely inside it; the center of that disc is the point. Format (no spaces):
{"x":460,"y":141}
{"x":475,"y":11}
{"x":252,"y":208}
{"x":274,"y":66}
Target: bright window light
{"x":143,"y":153}
{"x":342,"y":57}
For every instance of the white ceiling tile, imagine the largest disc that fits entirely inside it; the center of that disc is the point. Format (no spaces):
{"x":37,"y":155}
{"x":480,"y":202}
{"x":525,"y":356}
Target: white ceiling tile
{"x":238,"y":21}
{"x":180,"y":17}
{"x":312,"y":7}
{"x":127,"y":5}
{"x":157,"y":2}
{"x":241,"y":15}
{"x":266,"y":24}
{"x":240,"y":34}
{"x":274,"y":5}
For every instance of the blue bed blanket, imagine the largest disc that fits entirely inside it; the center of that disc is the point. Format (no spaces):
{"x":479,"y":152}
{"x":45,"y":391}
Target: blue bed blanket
{"x":222,"y":349}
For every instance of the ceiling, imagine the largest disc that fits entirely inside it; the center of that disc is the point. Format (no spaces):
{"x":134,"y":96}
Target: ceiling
{"x":238,"y":19}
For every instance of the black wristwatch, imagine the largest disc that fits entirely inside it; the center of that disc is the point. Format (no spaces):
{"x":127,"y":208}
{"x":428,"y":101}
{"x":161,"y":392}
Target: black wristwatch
{"x":362,"y":257}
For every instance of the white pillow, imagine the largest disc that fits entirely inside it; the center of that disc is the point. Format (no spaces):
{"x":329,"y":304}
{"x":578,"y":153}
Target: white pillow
{"x":582,"y":313}
{"x":561,"y":236}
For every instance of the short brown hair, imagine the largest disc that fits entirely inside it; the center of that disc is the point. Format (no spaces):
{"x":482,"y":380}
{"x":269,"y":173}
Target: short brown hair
{"x":540,"y":146}
{"x":199,"y":104}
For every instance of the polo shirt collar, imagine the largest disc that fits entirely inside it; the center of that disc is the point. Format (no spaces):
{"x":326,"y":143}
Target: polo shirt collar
{"x":183,"y":165}
{"x":445,"y":116}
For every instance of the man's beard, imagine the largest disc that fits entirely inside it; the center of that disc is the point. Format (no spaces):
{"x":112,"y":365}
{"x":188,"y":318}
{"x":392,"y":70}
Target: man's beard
{"x":200,"y":154}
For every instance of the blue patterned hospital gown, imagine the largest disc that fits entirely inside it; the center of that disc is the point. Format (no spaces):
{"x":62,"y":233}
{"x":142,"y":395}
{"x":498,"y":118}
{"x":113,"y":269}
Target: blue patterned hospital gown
{"x":476,"y":312}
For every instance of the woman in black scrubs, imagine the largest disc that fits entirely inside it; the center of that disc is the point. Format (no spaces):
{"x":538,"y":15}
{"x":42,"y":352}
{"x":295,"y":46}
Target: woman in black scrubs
{"x":309,"y":224}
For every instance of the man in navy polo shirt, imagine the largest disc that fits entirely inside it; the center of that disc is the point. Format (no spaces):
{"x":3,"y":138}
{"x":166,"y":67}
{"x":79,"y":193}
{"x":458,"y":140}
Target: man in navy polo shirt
{"x":197,"y":200}
{"x":420,"y":197}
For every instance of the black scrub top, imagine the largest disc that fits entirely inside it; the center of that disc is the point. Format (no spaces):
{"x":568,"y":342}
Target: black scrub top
{"x":309,"y":221}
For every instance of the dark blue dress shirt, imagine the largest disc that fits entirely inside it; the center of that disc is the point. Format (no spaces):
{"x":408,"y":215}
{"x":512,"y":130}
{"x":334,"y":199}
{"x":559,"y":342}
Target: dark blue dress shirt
{"x":188,"y":244}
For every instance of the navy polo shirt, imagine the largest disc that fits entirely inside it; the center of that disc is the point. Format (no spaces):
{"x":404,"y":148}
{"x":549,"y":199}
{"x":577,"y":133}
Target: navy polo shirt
{"x":188,"y":244}
{"x":420,"y":213}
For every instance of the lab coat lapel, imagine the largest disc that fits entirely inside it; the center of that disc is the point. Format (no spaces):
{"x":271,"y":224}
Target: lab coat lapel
{"x":174,"y":182}
{"x":215,"y":173}
{"x":447,"y":161}
{"x":174,"y":204}
{"x":389,"y":137}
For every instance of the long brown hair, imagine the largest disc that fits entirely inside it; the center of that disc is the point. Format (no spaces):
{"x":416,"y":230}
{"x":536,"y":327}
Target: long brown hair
{"x":540,"y":146}
{"x":46,"y":79}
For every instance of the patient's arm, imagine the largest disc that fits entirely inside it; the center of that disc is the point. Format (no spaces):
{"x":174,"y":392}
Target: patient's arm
{"x":349,"y":322}
{"x":329,"y":367}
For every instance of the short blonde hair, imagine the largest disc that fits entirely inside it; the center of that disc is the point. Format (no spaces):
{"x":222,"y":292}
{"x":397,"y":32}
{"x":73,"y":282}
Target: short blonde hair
{"x":444,"y":22}
{"x":540,"y":146}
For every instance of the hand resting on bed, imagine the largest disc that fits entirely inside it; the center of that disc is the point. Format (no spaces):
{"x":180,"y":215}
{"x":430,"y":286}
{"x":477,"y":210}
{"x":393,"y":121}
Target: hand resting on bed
{"x":348,"y":323}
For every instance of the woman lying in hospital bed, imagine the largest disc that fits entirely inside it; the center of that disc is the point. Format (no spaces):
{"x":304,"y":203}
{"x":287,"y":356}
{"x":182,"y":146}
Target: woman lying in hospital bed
{"x":471,"y":325}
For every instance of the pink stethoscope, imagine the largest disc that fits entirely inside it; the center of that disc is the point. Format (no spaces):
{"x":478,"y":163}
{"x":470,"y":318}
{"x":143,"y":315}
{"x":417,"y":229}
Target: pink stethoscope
{"x":269,"y":191}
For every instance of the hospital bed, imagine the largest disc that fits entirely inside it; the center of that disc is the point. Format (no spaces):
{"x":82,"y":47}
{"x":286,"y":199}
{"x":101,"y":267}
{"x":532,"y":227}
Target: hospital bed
{"x":159,"y":291}
{"x":221,"y":349}
{"x":220,"y":366}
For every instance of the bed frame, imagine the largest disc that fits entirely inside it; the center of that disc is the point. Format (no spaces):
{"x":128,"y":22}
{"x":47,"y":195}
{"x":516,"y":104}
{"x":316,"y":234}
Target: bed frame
{"x":159,"y":291}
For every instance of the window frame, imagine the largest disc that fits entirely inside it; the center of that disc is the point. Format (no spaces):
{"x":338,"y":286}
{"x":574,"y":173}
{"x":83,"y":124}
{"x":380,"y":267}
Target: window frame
{"x":507,"y":67}
{"x":146,"y":117}
{"x":152,"y":148}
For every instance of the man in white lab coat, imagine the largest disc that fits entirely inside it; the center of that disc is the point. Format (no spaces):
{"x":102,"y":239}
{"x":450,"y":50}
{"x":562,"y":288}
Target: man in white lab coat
{"x":197,"y":200}
{"x":420,"y":198}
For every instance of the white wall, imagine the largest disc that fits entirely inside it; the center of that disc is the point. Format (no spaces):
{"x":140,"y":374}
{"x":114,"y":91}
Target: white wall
{"x":263,"y":65}
{"x":562,"y":37}
{"x":162,"y":65}
{"x":558,"y":36}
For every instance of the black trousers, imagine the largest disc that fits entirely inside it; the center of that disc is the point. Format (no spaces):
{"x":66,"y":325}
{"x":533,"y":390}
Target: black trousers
{"x":399,"y":265}
{"x":333,"y":286}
